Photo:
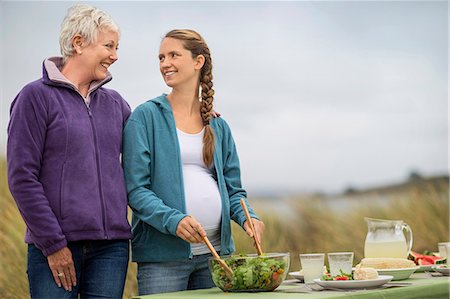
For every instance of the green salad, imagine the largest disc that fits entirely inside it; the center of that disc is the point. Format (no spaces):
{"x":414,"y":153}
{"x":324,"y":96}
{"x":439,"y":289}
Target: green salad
{"x":341,"y":276}
{"x":262,"y":273}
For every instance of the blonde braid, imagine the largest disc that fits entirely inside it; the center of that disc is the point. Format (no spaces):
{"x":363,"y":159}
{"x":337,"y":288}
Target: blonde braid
{"x":194,"y":42}
{"x":207,"y":99}
{"x":206,"y":109}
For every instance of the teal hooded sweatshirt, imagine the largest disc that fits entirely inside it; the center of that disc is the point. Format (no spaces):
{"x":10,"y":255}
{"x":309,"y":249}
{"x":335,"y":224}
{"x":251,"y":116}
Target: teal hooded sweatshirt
{"x":154,"y":180}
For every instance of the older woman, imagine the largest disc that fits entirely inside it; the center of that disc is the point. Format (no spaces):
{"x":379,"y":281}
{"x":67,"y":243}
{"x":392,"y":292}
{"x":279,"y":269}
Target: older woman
{"x":64,"y":172}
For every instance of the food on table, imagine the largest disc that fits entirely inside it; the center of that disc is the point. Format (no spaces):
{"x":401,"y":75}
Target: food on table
{"x":341,"y":276}
{"x":362,"y":273}
{"x":386,"y":263}
{"x":358,"y":274}
{"x":251,"y":273}
{"x":443,"y":267}
{"x":427,"y":258}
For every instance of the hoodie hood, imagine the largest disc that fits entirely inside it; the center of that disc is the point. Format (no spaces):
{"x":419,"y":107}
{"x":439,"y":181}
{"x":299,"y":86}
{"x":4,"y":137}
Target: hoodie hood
{"x":162,"y":102}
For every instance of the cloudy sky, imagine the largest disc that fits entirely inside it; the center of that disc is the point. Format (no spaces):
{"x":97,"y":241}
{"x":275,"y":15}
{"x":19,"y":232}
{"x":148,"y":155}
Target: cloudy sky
{"x":320,"y":96}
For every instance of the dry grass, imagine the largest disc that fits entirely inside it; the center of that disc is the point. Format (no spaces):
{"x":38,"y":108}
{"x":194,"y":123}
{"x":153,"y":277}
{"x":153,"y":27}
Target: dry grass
{"x":315,"y":228}
{"x":13,"y":282}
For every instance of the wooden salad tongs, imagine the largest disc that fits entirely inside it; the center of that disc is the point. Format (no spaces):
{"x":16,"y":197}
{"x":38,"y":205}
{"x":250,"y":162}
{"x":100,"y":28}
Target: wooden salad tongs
{"x":226,"y":268}
{"x":250,"y":222}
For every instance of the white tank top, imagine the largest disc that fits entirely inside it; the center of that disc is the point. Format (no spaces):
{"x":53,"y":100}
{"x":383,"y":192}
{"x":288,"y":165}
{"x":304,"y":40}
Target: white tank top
{"x":200,"y":189}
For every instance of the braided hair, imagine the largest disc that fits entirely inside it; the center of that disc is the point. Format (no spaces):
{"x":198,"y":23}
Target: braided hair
{"x":193,"y":42}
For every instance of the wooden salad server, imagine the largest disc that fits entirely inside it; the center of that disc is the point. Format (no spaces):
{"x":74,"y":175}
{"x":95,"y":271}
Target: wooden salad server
{"x":250,"y":222}
{"x":226,"y":268}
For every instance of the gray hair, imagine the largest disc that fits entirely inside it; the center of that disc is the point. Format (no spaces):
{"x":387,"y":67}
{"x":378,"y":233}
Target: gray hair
{"x":86,"y":21}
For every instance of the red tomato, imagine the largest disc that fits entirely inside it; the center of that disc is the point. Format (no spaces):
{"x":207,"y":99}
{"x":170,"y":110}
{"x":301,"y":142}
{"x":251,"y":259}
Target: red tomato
{"x":342,"y":277}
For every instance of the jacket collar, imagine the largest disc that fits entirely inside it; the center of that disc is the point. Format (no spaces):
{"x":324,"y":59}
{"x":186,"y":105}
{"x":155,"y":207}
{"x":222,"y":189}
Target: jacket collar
{"x":51,"y":74}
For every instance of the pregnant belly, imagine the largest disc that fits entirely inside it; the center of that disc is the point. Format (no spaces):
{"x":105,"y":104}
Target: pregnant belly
{"x":202,"y":196}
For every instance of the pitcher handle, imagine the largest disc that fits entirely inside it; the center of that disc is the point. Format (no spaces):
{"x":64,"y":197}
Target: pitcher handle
{"x":409,"y":237}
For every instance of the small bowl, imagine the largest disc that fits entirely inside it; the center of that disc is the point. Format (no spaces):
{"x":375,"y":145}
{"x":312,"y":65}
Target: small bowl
{"x":398,"y":274}
{"x":443,"y":269}
{"x":251,"y":273}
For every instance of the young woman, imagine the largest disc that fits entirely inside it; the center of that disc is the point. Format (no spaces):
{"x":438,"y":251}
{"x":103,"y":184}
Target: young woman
{"x":64,"y":171}
{"x":182,"y":173}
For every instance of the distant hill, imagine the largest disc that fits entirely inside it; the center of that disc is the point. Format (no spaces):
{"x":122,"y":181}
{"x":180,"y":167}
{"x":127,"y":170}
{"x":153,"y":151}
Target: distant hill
{"x":350,"y":192}
{"x":435,"y":181}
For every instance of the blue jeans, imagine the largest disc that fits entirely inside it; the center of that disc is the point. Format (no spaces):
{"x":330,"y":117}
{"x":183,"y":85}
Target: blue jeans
{"x":101,"y":268}
{"x":166,"y":277}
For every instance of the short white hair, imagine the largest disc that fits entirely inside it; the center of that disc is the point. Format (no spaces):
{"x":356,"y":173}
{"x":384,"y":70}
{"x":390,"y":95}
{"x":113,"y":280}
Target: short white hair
{"x":86,"y":21}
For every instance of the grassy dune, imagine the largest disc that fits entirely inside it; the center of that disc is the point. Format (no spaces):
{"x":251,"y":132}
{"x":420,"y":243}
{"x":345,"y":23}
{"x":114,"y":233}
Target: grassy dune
{"x":315,"y":227}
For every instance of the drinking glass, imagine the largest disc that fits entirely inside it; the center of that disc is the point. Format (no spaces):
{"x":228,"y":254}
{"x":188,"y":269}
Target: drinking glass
{"x":312,"y":266}
{"x":443,"y":251}
{"x":340,"y":261}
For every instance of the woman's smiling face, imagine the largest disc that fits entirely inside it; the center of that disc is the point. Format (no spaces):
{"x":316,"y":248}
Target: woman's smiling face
{"x":176,"y":64}
{"x":100,"y":55}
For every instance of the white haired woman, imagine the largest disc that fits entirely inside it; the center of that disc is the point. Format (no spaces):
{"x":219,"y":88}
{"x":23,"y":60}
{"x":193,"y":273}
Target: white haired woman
{"x":64,"y":172}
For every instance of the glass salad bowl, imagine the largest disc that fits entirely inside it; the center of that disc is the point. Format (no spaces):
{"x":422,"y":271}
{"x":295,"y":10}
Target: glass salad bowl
{"x":251,"y":273}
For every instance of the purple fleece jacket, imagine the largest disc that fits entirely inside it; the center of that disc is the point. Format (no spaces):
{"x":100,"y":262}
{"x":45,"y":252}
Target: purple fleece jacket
{"x":63,"y":160}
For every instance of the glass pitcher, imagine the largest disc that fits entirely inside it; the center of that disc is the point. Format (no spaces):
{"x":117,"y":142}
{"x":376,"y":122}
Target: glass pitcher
{"x":385,"y":238}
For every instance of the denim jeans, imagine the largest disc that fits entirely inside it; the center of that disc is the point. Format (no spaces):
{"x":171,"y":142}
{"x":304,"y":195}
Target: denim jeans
{"x":175,"y":276}
{"x":100,"y":266}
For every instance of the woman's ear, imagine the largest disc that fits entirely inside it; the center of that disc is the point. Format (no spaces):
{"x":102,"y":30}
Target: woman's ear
{"x":199,"y":62}
{"x":78,"y":42}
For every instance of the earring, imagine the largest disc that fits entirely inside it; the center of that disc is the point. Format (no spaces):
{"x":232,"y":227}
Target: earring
{"x":200,"y":94}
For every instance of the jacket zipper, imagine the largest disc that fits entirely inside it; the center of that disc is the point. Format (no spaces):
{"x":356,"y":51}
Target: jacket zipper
{"x":97,"y":161}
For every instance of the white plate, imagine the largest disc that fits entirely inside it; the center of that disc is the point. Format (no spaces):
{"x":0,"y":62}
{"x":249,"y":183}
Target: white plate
{"x":445,"y":271}
{"x":423,"y":268}
{"x":354,"y":284}
{"x":297,"y":275}
{"x":398,"y":274}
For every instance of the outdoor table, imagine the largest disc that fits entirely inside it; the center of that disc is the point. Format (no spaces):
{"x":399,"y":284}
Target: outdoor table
{"x":423,"y":286}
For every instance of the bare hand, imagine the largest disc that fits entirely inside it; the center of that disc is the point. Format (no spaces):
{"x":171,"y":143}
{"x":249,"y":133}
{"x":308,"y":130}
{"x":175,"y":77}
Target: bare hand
{"x":259,"y":229}
{"x":63,"y":269}
{"x":215,"y":114}
{"x":190,"y":230}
